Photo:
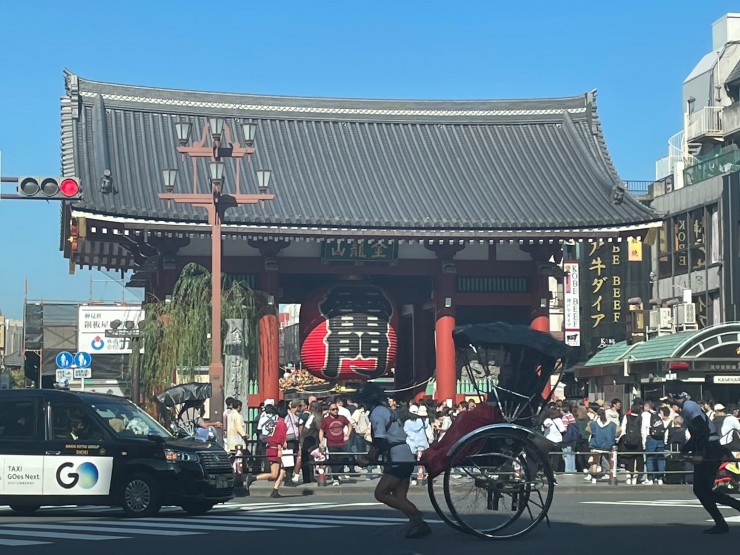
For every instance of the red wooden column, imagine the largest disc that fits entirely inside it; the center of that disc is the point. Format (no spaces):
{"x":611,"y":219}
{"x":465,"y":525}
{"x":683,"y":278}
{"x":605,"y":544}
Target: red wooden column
{"x":443,"y":328}
{"x":269,"y":338}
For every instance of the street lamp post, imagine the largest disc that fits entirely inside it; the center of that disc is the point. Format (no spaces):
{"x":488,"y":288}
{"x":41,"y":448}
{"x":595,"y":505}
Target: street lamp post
{"x":216,"y":202}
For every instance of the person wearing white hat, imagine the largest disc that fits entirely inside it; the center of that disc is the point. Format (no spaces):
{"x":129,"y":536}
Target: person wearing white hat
{"x":728,"y":428}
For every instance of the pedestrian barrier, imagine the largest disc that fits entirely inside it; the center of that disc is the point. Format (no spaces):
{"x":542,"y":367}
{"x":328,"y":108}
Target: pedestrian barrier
{"x":248,"y":461}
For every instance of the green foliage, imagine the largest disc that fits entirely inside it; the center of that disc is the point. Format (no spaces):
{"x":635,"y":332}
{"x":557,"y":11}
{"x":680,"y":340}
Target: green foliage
{"x":176,"y":335}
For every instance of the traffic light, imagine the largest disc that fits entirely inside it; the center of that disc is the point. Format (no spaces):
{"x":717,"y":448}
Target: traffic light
{"x":50,"y":188}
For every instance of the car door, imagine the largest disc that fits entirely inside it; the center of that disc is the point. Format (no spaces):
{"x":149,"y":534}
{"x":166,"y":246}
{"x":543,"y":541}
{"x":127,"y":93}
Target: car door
{"x":21,"y":445}
{"x":78,"y":456}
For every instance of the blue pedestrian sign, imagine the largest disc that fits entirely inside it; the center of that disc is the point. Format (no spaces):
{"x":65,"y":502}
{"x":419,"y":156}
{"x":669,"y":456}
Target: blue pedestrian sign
{"x":64,"y":360}
{"x":82,"y":359}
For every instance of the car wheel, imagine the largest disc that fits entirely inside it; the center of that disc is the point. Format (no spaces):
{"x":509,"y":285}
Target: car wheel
{"x":25,"y":510}
{"x":197,"y":507}
{"x":142,"y":496}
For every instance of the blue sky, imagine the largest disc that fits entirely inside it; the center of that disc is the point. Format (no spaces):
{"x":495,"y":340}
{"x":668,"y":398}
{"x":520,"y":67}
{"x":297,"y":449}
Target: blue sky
{"x":636,"y":54}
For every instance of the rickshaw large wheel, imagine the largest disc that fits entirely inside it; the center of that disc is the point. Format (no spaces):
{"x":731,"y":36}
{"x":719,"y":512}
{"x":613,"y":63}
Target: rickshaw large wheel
{"x":499,"y":485}
{"x":435,"y":486}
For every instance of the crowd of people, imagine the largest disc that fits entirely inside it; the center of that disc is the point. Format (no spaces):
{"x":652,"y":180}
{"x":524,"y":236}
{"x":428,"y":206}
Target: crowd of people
{"x":335,"y":431}
{"x":584,"y":434}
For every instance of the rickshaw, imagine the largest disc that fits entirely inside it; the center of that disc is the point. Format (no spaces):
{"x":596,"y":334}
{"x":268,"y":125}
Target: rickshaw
{"x":172,"y":402}
{"x":490,"y":475}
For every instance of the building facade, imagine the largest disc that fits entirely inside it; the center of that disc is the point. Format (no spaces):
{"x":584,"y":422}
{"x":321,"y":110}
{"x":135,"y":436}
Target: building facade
{"x":457,"y":210}
{"x":695,"y":272}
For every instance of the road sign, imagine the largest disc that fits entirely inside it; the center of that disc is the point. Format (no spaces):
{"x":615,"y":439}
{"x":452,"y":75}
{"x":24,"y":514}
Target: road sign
{"x":80,"y":373}
{"x":64,"y":373}
{"x":64,"y":359}
{"x":82,"y":359}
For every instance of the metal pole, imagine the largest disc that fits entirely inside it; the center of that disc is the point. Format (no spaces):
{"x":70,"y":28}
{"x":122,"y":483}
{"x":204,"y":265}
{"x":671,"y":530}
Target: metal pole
{"x":136,"y":373}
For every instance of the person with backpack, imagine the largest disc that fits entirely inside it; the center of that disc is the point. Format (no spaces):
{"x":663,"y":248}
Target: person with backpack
{"x":630,"y":444}
{"x":603,"y":438}
{"x":389,"y":439}
{"x":571,"y":435}
{"x":265,"y":428}
{"x":655,"y":443}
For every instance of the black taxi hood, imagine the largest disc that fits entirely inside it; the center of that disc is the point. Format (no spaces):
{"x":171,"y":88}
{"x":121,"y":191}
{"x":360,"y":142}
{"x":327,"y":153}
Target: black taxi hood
{"x":191,"y":445}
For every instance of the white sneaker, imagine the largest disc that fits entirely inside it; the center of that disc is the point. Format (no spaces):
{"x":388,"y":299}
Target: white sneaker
{"x":587,"y":478}
{"x":414,"y":482}
{"x":335,"y":483}
{"x":593,"y":480}
{"x":647,"y":482}
{"x":629,"y":481}
{"x":660,"y":482}
{"x":296,"y":479}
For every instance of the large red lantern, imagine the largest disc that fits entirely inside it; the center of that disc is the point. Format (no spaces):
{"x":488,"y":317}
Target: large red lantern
{"x":348,"y":332}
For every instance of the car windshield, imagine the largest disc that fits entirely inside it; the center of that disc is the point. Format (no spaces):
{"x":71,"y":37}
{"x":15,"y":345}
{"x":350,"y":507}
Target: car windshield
{"x":125,"y":419}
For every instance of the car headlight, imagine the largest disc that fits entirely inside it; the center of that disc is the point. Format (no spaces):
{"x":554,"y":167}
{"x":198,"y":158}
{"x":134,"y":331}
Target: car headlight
{"x":171,"y":455}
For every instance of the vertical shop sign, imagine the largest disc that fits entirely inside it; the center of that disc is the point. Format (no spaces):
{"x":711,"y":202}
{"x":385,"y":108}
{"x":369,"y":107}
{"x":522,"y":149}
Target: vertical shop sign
{"x":572,"y":304}
{"x":680,"y":244}
{"x":605,"y":264}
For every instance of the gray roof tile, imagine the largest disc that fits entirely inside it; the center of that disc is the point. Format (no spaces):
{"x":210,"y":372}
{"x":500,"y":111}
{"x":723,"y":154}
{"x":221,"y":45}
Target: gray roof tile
{"x":421,"y":165}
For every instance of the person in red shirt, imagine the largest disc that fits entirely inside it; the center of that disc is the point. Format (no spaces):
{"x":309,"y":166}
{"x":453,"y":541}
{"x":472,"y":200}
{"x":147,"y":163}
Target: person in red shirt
{"x":276,"y":442}
{"x":334,"y":432}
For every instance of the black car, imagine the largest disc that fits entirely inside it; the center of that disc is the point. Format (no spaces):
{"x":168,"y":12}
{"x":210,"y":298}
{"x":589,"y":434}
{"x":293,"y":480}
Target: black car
{"x":61,"y":447}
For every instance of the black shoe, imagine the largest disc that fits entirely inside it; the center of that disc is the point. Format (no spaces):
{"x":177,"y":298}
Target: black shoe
{"x":251,"y":479}
{"x":290,"y":484}
{"x":717,"y":529}
{"x":418,"y":529}
{"x":275,"y":494}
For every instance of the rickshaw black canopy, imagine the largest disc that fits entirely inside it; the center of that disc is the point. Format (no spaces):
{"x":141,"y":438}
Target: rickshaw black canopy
{"x":182,"y":393}
{"x":501,"y":333}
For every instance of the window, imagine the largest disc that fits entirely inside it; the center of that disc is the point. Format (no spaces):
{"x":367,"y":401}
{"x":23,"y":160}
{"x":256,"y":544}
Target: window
{"x":71,"y":422}
{"x":19,"y":419}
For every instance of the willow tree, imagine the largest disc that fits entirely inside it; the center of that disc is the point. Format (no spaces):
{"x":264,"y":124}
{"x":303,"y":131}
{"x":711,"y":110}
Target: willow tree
{"x":176,"y":334}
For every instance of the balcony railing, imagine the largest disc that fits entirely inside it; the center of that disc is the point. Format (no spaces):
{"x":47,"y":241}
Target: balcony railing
{"x":704,"y":122}
{"x":638,"y":188}
{"x":724,"y":163}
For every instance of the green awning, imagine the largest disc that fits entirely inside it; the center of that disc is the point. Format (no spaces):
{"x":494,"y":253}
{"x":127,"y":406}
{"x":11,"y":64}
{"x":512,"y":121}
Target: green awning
{"x":654,"y":349}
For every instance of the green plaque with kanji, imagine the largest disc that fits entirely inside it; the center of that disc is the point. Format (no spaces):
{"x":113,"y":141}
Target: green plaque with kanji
{"x":366,"y":250}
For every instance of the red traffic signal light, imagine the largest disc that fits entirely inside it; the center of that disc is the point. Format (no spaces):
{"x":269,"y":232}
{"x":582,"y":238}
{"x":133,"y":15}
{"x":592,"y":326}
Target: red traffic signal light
{"x":50,"y":188}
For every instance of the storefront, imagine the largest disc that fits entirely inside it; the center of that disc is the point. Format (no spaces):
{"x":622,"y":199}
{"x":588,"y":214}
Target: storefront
{"x":704,"y":363}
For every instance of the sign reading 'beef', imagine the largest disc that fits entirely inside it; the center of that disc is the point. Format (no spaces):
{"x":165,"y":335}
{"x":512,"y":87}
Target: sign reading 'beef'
{"x":348,"y":332}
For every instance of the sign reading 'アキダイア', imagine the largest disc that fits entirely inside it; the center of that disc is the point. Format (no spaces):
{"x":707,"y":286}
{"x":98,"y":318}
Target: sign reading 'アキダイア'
{"x":94,"y":321}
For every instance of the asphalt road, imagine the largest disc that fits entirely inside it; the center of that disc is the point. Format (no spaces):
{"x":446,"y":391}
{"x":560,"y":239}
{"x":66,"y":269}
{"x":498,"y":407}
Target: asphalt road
{"x":619,"y":520}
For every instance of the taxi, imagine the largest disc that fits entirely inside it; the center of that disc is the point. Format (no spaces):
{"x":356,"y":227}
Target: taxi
{"x":77,"y":448}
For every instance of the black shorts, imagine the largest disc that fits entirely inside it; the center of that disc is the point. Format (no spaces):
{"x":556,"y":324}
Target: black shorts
{"x":401,"y":470}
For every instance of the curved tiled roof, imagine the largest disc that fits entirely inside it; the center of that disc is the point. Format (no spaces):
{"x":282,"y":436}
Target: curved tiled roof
{"x":500,"y":165}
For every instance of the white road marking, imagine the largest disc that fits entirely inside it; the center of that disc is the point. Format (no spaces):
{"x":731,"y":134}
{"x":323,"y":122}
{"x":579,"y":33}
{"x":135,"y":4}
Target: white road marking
{"x":58,"y":535}
{"x":179,"y":523}
{"x":19,"y":543}
{"x":98,"y":528}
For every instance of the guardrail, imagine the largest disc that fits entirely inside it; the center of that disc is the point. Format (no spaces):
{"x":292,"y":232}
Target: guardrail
{"x":253,"y":463}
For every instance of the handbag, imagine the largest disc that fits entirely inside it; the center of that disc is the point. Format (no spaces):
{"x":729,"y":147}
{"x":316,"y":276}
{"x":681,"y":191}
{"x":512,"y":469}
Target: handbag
{"x":287,"y":458}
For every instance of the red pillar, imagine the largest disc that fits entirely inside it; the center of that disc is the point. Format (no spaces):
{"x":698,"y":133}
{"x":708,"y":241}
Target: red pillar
{"x":269,"y":339}
{"x":269,"y":368}
{"x":445,"y":347}
{"x":541,"y":318}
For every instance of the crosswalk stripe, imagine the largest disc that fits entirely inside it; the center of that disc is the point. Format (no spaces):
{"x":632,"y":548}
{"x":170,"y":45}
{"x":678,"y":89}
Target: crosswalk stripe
{"x":19,"y":543}
{"x":59,"y":535}
{"x":281,"y":508}
{"x":250,"y":520}
{"x":106,"y":528}
{"x":328,"y":518}
{"x":177,"y":523}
